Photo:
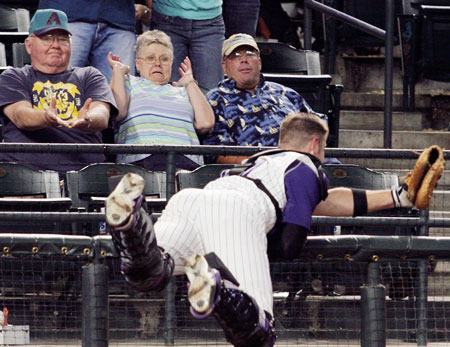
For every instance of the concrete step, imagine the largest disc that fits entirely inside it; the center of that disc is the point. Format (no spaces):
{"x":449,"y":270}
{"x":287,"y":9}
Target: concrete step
{"x":441,"y":203}
{"x":400,"y":139}
{"x":374,"y":100}
{"x":362,"y":73}
{"x":374,"y":120}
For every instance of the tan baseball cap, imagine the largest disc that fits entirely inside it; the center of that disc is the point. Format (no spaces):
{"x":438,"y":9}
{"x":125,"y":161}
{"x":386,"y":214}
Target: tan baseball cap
{"x":237,"y":40}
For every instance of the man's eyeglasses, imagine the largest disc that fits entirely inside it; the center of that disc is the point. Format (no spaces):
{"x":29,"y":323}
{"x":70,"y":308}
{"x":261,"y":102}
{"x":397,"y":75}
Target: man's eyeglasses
{"x":239,"y":54}
{"x":47,"y":40}
{"x":151,"y":59}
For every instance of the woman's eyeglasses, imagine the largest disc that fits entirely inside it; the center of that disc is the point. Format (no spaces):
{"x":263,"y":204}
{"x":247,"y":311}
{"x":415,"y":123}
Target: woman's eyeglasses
{"x":151,"y":59}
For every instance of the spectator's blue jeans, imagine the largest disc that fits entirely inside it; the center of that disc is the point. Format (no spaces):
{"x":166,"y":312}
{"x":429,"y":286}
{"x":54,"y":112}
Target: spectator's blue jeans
{"x":240,"y":16}
{"x":91,"y":43}
{"x":200,"y":40}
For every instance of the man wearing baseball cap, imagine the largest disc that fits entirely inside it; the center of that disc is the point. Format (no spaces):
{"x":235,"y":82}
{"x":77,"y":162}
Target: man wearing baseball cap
{"x":52,"y":102}
{"x":248,"y":108}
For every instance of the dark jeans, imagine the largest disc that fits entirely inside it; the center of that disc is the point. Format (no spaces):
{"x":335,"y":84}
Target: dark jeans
{"x":201,"y":40}
{"x":240,"y":16}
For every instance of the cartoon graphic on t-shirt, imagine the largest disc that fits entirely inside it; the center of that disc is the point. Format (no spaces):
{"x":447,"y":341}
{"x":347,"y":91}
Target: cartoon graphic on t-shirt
{"x":67,"y":96}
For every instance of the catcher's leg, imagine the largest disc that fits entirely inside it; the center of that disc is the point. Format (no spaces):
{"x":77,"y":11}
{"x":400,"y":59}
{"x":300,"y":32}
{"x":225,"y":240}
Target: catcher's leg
{"x":144,"y":264}
{"x":237,"y":313}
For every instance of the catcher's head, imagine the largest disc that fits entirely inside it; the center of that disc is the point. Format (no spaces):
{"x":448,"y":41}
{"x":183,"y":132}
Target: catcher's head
{"x":304,"y":132}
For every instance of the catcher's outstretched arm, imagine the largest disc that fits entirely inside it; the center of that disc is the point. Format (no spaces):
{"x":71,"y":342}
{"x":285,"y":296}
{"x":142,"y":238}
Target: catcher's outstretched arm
{"x":341,"y":202}
{"x":416,"y":191}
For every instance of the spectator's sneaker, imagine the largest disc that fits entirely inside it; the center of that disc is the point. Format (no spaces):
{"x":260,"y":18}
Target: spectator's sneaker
{"x":203,"y":285}
{"x":124,"y":200}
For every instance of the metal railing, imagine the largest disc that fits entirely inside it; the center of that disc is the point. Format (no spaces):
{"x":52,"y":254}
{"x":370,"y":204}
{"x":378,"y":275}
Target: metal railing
{"x":387,"y":35}
{"x":419,"y":248}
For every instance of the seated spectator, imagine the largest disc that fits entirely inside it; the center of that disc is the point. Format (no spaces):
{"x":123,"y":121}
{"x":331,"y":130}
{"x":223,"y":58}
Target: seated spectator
{"x":248,"y":109}
{"x":52,"y":102}
{"x":152,"y":111}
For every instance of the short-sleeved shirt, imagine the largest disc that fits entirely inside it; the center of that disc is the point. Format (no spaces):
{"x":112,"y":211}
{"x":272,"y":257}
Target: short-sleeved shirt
{"x":292,"y":180}
{"x":158,"y":114}
{"x":189,"y":9}
{"x":302,"y":189}
{"x":71,"y":89}
{"x":252,"y":118}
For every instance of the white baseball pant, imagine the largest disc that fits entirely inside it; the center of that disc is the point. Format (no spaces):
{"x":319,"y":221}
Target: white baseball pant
{"x":228,"y":222}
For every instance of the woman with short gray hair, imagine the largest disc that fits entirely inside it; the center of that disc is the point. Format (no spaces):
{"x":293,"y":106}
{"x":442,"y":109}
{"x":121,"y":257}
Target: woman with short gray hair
{"x":152,"y":111}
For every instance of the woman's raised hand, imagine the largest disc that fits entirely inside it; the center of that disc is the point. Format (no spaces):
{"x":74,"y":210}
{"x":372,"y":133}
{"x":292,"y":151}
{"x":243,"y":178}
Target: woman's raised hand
{"x":186,"y":74}
{"x":116,"y":64}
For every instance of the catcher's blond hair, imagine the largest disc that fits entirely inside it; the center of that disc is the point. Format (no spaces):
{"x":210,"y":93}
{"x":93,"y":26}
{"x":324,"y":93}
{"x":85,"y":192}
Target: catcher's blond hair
{"x":299,"y":128}
{"x":153,"y":36}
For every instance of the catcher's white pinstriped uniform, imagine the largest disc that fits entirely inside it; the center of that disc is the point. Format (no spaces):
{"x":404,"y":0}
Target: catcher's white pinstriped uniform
{"x":231,"y":216}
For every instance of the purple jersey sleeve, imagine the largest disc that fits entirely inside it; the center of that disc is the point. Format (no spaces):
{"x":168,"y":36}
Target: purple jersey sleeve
{"x":302,"y":194}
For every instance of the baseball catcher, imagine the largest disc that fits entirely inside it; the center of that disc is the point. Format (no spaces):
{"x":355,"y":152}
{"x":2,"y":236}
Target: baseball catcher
{"x":217,"y":236}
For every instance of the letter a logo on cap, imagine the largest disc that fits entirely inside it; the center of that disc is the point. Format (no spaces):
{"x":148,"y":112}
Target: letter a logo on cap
{"x":53,"y":19}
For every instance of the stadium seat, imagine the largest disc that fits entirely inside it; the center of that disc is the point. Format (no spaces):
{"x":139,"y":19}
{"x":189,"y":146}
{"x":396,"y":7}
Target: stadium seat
{"x":30,"y":5}
{"x":354,"y":176}
{"x":14,"y":24}
{"x":278,"y":57}
{"x":88,"y":189}
{"x":199,"y":177}
{"x":423,"y":35}
{"x":322,"y":96}
{"x":20,"y":55}
{"x":14,"y":19}
{"x":2,"y":55}
{"x":23,"y":189}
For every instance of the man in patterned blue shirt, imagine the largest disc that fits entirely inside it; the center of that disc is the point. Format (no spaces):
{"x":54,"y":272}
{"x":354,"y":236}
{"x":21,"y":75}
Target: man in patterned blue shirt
{"x":248,"y":109}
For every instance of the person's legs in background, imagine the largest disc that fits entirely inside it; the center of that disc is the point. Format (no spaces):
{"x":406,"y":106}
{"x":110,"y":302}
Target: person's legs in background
{"x":179,"y":31}
{"x":205,"y":51}
{"x":83,"y":35}
{"x":240,"y":16}
{"x":91,"y":43}
{"x":200,"y":40}
{"x":118,"y":41}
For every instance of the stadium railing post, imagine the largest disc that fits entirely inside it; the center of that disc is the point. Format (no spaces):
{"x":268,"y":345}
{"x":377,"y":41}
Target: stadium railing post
{"x":95,"y":309}
{"x":422,"y":286}
{"x":373,"y":309}
{"x":169,"y":315}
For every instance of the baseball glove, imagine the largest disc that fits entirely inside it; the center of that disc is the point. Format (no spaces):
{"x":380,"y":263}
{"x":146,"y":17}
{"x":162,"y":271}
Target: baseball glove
{"x":422,"y":181}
